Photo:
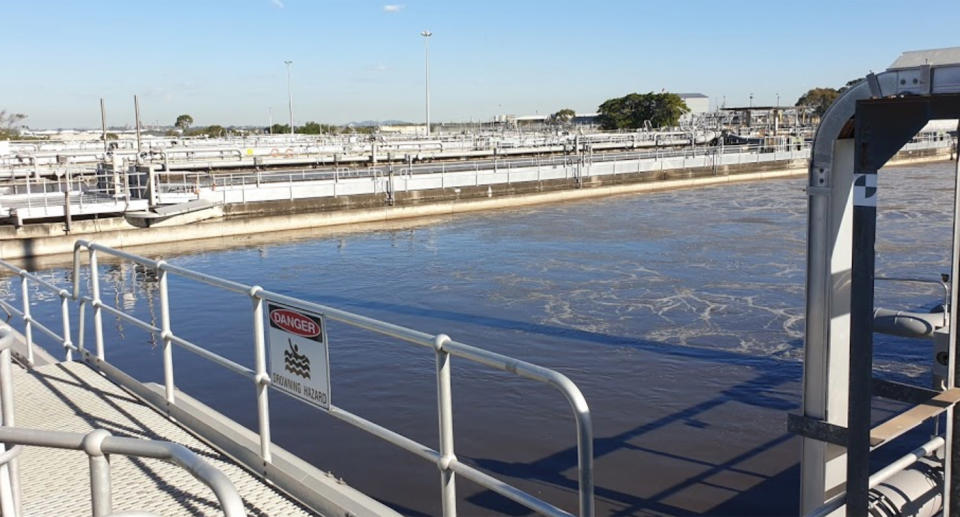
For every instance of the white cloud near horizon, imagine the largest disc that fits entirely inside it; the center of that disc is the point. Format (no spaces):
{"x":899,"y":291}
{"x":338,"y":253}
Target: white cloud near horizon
{"x":277,"y":3}
{"x":393,"y":8}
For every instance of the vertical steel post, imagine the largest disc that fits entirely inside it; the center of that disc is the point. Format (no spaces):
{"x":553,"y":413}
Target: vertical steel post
{"x":448,"y":488}
{"x":262,"y":379}
{"x":95,"y":293}
{"x":289,"y":94}
{"x":166,"y":333}
{"x":100,"y":490}
{"x":826,"y":341}
{"x":81,"y":326}
{"x":67,"y":218}
{"x":136,"y":109}
{"x":861,"y":323}
{"x":10,"y":472}
{"x":103,"y":127}
{"x":951,"y":488}
{"x":65,"y":316}
{"x":426,"y":67}
{"x":27,"y":320}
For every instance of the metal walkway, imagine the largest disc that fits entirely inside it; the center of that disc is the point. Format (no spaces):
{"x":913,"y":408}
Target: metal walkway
{"x":70,"y":396}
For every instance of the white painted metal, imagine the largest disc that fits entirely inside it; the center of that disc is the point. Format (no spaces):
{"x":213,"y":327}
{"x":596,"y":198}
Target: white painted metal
{"x":826,"y":350}
{"x":444,"y":348}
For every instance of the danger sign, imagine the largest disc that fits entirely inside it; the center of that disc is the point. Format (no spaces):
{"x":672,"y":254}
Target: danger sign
{"x":299,"y":359}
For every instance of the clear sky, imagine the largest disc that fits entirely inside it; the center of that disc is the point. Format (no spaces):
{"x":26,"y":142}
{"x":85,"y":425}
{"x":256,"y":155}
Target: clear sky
{"x":222,"y":62}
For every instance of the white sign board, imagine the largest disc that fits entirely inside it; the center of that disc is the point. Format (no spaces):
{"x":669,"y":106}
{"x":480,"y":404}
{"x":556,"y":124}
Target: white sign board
{"x":299,"y":358}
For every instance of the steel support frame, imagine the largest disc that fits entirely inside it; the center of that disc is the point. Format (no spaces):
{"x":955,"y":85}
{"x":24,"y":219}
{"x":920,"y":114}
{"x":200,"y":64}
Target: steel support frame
{"x":838,"y":347}
{"x":882,"y":127}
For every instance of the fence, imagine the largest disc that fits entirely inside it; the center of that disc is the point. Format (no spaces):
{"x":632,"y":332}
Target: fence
{"x":109,"y":192}
{"x":442,"y":346}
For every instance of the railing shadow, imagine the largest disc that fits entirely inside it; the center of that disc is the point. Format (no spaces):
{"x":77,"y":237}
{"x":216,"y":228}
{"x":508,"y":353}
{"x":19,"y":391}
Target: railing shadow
{"x":191,"y":503}
{"x":779,"y":492}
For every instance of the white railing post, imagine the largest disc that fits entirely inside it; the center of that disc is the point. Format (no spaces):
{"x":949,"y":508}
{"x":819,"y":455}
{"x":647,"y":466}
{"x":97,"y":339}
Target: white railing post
{"x":27,"y":321}
{"x":65,"y":316}
{"x":95,"y":292}
{"x":166,"y":333}
{"x":10,"y":485}
{"x":448,"y":486}
{"x":262,"y":379}
{"x":100,"y":489}
{"x":81,"y":326}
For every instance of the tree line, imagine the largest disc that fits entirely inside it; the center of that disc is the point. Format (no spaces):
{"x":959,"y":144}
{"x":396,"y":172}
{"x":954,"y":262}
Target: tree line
{"x":632,"y":111}
{"x":184,"y":122}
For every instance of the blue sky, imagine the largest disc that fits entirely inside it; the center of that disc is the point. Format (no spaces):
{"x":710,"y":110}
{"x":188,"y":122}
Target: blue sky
{"x":222,"y":62}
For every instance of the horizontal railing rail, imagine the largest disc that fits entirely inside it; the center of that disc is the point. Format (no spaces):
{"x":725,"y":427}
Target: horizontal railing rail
{"x":98,"y":445}
{"x":443,"y":347}
{"x":29,"y":323}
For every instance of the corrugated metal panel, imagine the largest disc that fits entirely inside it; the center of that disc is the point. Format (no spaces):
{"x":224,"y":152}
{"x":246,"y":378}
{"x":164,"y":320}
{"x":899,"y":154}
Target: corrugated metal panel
{"x":933,"y":57}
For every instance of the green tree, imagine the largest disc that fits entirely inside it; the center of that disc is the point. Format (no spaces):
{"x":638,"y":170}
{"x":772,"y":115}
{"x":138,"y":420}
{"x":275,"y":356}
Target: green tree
{"x":215,"y":131}
{"x":183,"y":122}
{"x":314,"y":128}
{"x":562,"y":117}
{"x":9,"y":123}
{"x":632,"y":110}
{"x":819,"y":99}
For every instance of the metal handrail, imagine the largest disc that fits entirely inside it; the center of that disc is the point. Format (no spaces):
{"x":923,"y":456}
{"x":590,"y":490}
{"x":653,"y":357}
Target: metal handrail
{"x":943,"y":284}
{"x":97,"y":444}
{"x":24,"y":312}
{"x":443,"y":347}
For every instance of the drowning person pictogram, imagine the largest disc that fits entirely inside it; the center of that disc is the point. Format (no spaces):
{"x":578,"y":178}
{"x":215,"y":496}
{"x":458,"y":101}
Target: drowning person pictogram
{"x":295,"y":362}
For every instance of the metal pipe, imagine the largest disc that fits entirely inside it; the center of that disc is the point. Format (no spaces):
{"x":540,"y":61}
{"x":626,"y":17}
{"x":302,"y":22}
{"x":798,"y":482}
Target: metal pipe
{"x":223,"y":488}
{"x":10,"y":471}
{"x":81,"y":325}
{"x":508,"y":491}
{"x":448,"y":487}
{"x":65,"y":317}
{"x":100,"y":491}
{"x":426,"y":60}
{"x":289,"y":94}
{"x":441,"y":345}
{"x":27,"y":321}
{"x":206,"y":354}
{"x":885,"y":474}
{"x":136,"y":109}
{"x":103,"y":127}
{"x":165,"y":334}
{"x":262,"y":379}
{"x":99,"y":444}
{"x":95,"y":291}
{"x":578,"y":404}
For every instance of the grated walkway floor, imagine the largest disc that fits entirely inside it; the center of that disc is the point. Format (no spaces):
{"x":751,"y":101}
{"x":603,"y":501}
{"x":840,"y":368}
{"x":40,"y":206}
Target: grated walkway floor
{"x":72,"y":397}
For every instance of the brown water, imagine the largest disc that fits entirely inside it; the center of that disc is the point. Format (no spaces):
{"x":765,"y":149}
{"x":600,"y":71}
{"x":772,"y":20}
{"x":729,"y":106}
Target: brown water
{"x":678,"y":314}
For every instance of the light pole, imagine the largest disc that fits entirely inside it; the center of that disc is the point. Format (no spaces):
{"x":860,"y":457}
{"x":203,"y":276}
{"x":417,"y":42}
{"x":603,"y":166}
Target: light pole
{"x":289,"y":94}
{"x":426,"y":59}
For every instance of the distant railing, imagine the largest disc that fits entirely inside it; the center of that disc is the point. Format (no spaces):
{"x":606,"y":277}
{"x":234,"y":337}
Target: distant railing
{"x":108,"y":192}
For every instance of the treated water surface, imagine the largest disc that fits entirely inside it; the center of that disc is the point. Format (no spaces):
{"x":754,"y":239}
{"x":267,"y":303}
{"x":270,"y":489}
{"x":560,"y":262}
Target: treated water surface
{"x":678,"y":314}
